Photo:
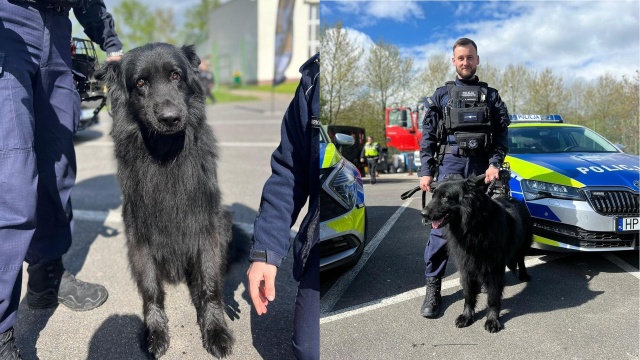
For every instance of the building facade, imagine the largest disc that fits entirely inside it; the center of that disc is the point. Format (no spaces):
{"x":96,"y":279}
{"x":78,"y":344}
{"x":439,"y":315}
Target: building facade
{"x":242,"y":39}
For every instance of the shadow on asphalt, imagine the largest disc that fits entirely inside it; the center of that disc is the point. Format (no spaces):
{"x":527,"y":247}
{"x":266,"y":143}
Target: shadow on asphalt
{"x":397,"y":266}
{"x":86,"y":135}
{"x":32,"y":322}
{"x":271,"y":336}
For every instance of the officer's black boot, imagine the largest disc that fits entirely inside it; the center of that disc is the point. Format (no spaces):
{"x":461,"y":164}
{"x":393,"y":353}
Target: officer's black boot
{"x":8,"y":348}
{"x":433,"y":299}
{"x":50,"y":284}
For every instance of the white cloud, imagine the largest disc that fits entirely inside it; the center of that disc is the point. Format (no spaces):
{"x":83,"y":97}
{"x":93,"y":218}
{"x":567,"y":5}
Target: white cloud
{"x":574,"y":39}
{"x":360,"y":39}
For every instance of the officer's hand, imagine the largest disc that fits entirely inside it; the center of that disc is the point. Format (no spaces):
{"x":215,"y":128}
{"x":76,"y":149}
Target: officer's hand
{"x":491,"y":174}
{"x":425,"y":183}
{"x":361,"y":159}
{"x":262,"y":276}
{"x":114,"y":58}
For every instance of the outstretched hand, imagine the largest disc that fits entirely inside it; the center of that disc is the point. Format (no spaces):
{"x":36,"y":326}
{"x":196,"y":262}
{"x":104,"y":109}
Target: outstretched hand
{"x":262,"y":289}
{"x":491,"y":174}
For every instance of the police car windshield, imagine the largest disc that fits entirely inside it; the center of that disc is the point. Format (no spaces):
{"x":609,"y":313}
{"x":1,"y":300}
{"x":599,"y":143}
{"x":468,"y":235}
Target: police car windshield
{"x":557,"y":139}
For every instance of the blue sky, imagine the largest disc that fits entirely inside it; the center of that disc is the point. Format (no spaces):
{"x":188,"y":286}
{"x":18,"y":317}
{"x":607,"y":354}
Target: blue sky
{"x":576,"y":39}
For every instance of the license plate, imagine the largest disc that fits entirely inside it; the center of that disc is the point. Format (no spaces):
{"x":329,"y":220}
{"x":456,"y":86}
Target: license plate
{"x":628,"y":224}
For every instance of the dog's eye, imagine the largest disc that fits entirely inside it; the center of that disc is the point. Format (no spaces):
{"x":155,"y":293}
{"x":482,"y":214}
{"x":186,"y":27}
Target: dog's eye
{"x":140,"y":83}
{"x":175,"y":76}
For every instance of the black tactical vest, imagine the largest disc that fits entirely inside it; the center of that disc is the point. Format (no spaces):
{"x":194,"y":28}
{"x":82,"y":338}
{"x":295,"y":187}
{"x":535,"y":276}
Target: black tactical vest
{"x":466,"y":116}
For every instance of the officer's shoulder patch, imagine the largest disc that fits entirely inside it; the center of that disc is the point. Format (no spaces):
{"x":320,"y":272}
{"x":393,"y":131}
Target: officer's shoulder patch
{"x":430,"y":102}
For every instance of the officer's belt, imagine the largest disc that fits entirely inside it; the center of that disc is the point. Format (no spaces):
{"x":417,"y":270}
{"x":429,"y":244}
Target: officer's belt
{"x":448,"y":149}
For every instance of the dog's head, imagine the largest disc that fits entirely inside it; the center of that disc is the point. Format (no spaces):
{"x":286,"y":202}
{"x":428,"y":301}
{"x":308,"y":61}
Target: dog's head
{"x":155,"y":85}
{"x":452,"y":201}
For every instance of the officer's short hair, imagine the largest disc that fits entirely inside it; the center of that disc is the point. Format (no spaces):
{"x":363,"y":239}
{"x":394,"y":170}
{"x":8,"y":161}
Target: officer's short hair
{"x":464,"y":42}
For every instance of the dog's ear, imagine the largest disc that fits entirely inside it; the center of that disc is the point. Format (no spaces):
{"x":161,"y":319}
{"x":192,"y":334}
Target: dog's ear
{"x":112,"y":75}
{"x":109,"y":73}
{"x":190,"y":52}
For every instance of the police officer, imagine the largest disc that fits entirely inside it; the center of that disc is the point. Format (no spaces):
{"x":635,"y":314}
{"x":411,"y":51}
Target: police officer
{"x":295,"y":177}
{"x":41,"y":110}
{"x":371,"y":151}
{"x":464,"y":134}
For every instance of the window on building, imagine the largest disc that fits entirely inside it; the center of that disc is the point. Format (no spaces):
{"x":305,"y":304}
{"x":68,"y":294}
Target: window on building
{"x":314,"y":29}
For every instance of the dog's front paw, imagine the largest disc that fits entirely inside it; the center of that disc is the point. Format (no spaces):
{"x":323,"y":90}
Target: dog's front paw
{"x":492,"y":325}
{"x":157,"y":341}
{"x":218,"y":341}
{"x":463,"y":321}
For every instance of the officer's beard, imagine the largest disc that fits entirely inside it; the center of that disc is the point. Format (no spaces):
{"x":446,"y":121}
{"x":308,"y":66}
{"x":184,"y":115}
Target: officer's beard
{"x":468,"y":76}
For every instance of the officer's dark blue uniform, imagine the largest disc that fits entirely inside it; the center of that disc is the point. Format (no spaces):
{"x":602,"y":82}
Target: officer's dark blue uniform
{"x":435,"y":254}
{"x":40,"y":112}
{"x":295,"y":177}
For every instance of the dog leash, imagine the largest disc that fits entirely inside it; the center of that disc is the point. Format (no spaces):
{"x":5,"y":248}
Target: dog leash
{"x":407,"y":194}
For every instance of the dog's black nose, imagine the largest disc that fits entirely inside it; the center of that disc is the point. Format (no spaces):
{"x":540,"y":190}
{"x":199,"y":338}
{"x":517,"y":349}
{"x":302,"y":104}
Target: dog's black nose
{"x":169,"y":117}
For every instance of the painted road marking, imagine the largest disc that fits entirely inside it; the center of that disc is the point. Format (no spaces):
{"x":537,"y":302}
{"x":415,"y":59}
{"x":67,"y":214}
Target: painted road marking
{"x":622,"y":264}
{"x":220,"y":144}
{"x":115,"y":217}
{"x":334,"y":294}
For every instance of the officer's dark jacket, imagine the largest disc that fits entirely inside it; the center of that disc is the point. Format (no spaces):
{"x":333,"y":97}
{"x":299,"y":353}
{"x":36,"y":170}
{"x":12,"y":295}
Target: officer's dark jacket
{"x":94,"y":18}
{"x":294,"y":179}
{"x":499,"y":122}
{"x":97,"y":24}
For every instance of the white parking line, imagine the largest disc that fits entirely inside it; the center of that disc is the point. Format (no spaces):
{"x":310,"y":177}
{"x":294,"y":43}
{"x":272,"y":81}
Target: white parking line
{"x":111,"y":216}
{"x":249,"y":144}
{"x":622,"y":264}
{"x":334,"y":294}
{"x":220,"y":144}
{"x":115,"y":217}
{"x":412,"y":294}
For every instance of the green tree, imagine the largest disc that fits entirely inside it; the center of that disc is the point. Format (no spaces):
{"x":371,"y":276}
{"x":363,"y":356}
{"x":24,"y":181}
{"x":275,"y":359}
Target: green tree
{"x":513,"y":89}
{"x":545,"y":93}
{"x":339,"y":78}
{"x":135,"y":23}
{"x":435,"y":74}
{"x":196,"y":27}
{"x":388,"y":76}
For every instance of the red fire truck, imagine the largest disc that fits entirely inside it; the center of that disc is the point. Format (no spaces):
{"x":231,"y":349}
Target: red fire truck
{"x":403,"y":126}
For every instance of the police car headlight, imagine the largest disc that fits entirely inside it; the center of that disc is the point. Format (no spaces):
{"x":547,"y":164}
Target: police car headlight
{"x":538,"y":189}
{"x":343,"y":186}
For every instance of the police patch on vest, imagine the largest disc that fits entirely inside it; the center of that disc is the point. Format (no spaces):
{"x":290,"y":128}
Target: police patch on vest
{"x":471,"y":141}
{"x":469,"y":95}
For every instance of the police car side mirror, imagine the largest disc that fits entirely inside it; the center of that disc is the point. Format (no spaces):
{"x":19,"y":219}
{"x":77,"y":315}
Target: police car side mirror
{"x":343,"y":140}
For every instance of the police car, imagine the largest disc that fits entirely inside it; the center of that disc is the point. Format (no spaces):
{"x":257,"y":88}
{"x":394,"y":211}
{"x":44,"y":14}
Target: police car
{"x":343,"y":219}
{"x":581,"y":190}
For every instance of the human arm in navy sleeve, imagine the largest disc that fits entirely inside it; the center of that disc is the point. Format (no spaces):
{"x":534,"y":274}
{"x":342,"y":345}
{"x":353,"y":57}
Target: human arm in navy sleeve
{"x":283,"y":196}
{"x":98,"y":24}
{"x":499,"y":131}
{"x":429,"y":142}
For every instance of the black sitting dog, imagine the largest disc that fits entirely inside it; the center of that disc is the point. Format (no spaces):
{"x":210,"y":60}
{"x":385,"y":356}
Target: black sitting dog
{"x":483,"y":235}
{"x":176,"y":227}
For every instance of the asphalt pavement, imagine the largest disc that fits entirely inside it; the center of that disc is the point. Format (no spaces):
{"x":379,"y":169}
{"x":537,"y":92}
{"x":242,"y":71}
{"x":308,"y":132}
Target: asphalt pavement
{"x":577,"y":306}
{"x":247,"y":134}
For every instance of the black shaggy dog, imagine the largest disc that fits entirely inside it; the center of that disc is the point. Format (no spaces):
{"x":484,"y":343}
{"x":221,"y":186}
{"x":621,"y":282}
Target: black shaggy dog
{"x":483,"y":235}
{"x":176,"y":227}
